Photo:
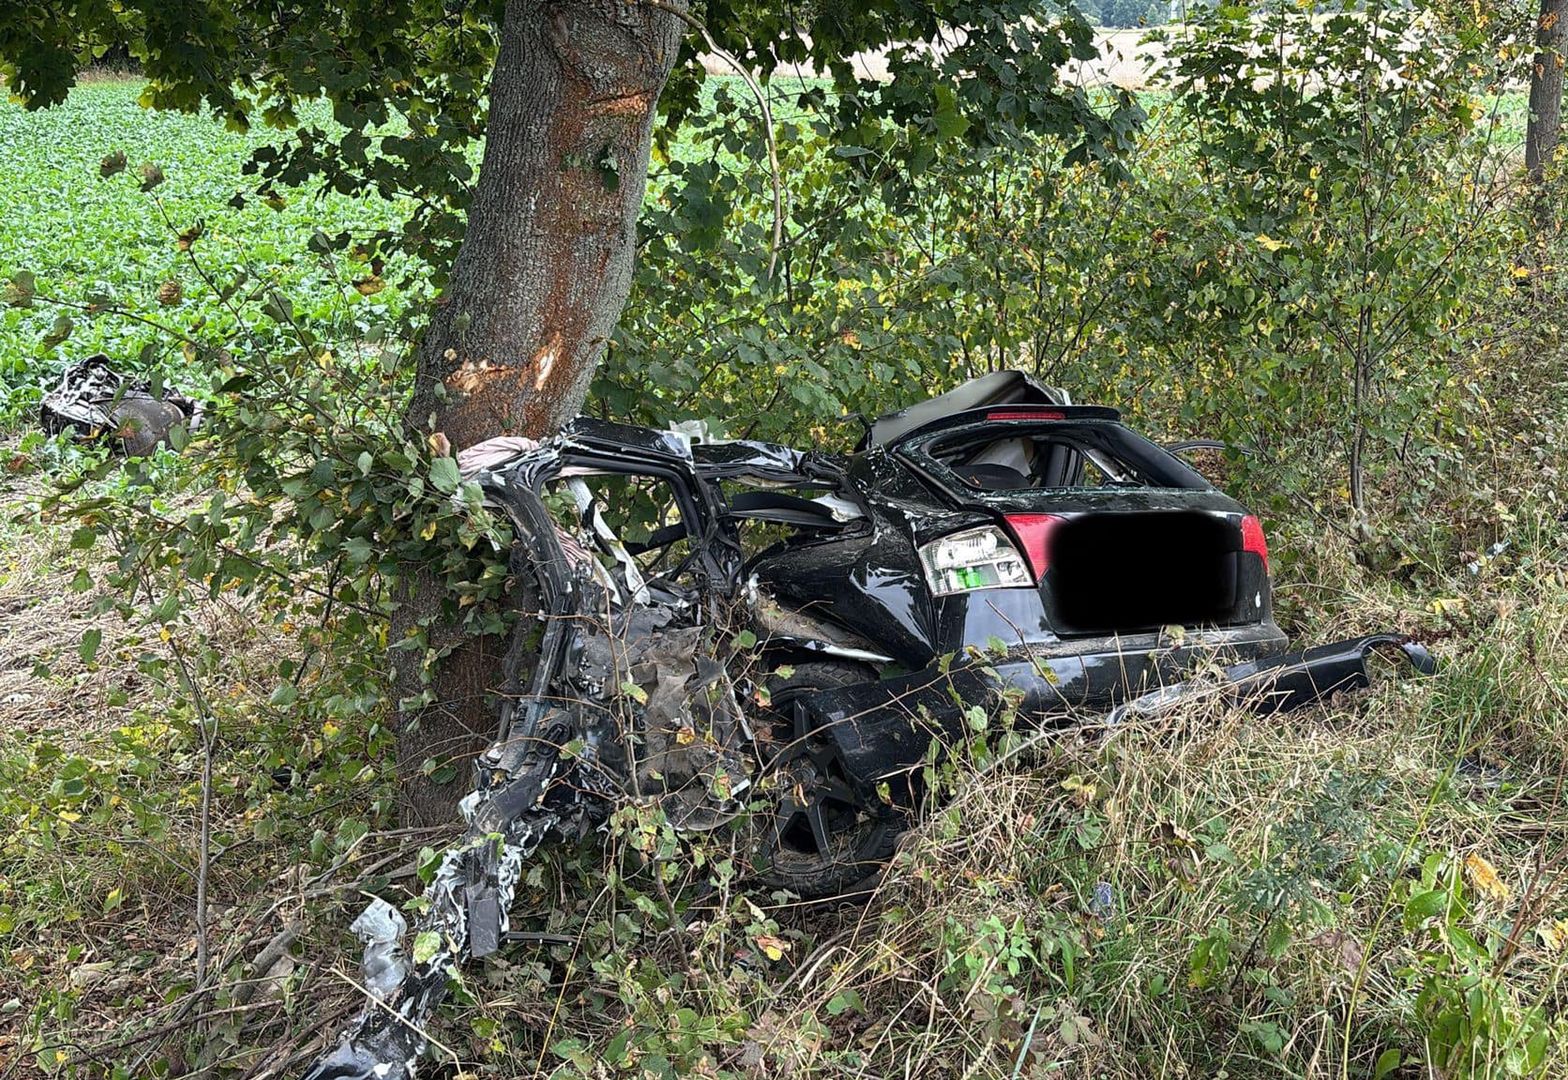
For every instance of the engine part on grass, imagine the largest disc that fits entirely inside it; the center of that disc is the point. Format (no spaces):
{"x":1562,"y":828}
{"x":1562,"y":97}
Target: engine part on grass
{"x":381,"y":927}
{"x":95,"y":401}
{"x":467,"y":902}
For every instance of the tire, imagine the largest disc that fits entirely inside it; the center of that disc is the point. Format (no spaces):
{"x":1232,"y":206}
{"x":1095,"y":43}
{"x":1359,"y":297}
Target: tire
{"x":859,"y":828}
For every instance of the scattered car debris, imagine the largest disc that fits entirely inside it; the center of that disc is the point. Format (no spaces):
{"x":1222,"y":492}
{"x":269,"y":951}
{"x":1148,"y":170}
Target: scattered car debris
{"x":993,"y":545}
{"x":93,"y":401}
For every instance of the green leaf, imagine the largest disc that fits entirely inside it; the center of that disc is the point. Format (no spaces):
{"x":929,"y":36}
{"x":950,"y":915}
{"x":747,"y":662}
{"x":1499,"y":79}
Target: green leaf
{"x":444,"y":475}
{"x":426,"y":863}
{"x":63,"y":325}
{"x":1425,"y":905}
{"x":90,"y":642}
{"x":843,"y":1002}
{"x":950,"y":123}
{"x":427,"y":944}
{"x":978,"y":718}
{"x":21,"y":289}
{"x":1387,"y":1062}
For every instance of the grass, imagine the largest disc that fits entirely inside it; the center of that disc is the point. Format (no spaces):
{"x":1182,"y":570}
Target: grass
{"x":1211,"y":893}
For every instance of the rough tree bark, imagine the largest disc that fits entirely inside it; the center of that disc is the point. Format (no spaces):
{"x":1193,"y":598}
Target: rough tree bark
{"x":1546,"y":87}
{"x":536,"y":289}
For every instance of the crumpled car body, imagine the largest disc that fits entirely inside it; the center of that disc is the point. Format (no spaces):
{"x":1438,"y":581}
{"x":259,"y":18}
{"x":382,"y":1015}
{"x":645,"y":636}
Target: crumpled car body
{"x":705,"y":624}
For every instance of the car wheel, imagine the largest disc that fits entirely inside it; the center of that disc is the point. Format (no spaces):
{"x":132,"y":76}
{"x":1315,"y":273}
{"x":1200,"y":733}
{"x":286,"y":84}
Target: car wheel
{"x":828,"y":836}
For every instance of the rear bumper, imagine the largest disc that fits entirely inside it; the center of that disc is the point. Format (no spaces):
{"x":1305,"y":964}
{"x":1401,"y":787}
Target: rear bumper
{"x":885,"y":727}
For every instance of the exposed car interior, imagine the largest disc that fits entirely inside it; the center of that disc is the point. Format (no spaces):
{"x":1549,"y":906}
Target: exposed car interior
{"x":1041,"y":461}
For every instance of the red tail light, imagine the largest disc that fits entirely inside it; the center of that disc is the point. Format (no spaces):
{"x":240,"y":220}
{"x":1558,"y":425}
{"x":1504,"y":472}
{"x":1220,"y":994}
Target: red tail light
{"x":1253,"y":540}
{"x":1034,"y":537}
{"x":1026,"y":414}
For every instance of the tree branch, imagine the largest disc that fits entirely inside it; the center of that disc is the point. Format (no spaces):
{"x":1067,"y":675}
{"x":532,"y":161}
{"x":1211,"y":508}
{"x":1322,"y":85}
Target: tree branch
{"x":767,"y":121}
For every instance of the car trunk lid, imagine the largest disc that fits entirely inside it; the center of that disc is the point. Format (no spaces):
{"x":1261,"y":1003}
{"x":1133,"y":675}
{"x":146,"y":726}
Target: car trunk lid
{"x":1151,"y":544}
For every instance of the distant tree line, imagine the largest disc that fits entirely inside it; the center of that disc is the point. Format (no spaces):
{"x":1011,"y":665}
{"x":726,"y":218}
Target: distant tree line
{"x":1125,"y":13}
{"x":1130,"y":13}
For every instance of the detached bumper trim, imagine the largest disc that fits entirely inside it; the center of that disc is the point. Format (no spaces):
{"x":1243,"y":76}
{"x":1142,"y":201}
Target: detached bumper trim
{"x":1283,"y":683}
{"x":885,"y":727}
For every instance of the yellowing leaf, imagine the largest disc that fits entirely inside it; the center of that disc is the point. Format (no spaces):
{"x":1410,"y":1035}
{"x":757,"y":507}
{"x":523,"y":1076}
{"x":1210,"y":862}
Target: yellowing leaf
{"x":426,"y":945}
{"x":1083,"y":791}
{"x":1521,"y":271}
{"x":772,"y":947}
{"x":1268,"y":243}
{"x":1483,"y":878}
{"x":1554,"y":935}
{"x":685,"y":737}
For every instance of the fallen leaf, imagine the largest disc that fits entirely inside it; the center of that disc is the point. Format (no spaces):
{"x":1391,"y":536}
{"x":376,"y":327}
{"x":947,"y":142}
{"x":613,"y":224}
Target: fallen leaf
{"x":1482,"y":876}
{"x":1343,"y":949}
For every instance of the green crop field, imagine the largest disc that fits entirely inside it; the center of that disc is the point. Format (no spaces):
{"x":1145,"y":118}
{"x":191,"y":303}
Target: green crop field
{"x":82,"y":235}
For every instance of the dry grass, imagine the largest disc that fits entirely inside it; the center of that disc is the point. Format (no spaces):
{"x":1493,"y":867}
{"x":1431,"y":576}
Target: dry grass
{"x":97,"y":912}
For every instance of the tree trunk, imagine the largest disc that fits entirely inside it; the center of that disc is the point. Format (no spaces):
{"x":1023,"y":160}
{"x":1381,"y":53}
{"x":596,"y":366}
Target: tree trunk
{"x":535,"y":291}
{"x":1546,"y":88}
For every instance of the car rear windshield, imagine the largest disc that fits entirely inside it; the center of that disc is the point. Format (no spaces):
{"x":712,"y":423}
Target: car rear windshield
{"x":1056,"y":455}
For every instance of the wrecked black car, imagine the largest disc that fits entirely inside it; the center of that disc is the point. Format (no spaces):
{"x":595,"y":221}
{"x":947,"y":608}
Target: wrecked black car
{"x":722,"y":625}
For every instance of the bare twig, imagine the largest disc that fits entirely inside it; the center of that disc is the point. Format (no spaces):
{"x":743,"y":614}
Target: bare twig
{"x":209,"y":736}
{"x":271,"y":954}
